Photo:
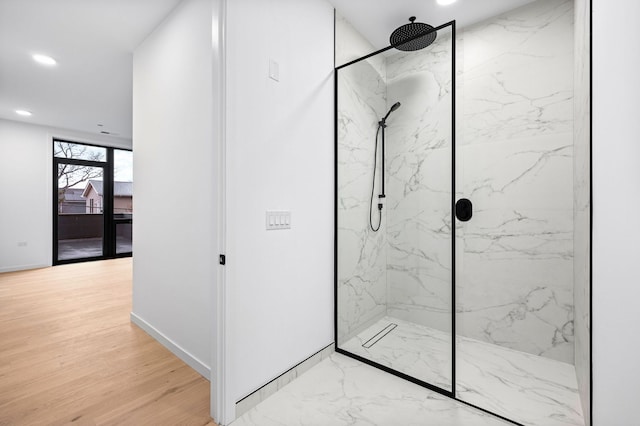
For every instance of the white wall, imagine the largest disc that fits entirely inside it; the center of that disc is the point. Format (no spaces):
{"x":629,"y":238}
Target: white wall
{"x":279,"y":156}
{"x":175,"y":183}
{"x":616,"y":199}
{"x":26,"y":190}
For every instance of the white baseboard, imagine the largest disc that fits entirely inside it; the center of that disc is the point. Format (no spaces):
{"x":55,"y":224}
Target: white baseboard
{"x":185,"y":356}
{"x":24,"y":267}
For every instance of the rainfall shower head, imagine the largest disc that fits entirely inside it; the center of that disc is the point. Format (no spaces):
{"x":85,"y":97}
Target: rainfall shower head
{"x":408,"y":37}
{"x":393,"y":108}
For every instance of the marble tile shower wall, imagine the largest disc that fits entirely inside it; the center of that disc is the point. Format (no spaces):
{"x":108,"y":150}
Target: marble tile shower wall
{"x":581,"y":221}
{"x":362,"y":287}
{"x":514,"y":162}
{"x":418,"y":172}
{"x":515,"y":282}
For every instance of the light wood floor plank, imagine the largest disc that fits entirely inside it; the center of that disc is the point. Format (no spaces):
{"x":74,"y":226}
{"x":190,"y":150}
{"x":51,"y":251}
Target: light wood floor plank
{"x":70,"y":355}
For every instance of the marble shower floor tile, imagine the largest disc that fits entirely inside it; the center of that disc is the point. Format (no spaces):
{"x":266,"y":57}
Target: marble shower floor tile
{"x":527,"y":388}
{"x":420,"y":352}
{"x":341,"y":391}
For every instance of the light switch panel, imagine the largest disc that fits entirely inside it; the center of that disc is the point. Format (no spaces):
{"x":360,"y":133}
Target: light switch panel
{"x":278,"y":219}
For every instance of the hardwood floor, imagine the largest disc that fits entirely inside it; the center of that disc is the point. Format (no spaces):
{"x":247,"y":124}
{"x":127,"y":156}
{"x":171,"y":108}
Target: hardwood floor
{"x":68,"y":354}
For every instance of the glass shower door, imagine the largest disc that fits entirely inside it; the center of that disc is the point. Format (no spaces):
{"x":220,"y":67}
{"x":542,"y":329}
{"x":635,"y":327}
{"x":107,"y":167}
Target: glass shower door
{"x":514,"y":281}
{"x":394,"y":245}
{"x":514,"y":287}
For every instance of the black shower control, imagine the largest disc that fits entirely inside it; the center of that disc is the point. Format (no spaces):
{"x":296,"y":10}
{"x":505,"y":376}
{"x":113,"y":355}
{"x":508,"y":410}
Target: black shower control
{"x":464,"y":209}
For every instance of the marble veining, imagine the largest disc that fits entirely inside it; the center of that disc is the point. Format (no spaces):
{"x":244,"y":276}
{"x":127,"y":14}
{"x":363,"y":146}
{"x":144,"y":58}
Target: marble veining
{"x":515,"y":162}
{"x":362,"y":290}
{"x":341,"y":391}
{"x":517,"y":71}
{"x":529,"y":389}
{"x":526,"y":388}
{"x":420,"y":352}
{"x":419,"y":169}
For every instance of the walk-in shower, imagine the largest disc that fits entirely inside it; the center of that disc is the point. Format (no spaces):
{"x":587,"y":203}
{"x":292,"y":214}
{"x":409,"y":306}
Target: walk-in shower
{"x":459,"y":258}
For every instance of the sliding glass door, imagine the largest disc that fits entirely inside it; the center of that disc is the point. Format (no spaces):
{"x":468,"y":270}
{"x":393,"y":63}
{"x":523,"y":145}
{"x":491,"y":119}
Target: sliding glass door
{"x":91,"y":210}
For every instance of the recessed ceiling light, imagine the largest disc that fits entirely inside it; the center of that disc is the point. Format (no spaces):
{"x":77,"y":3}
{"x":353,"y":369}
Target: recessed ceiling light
{"x":44,"y":59}
{"x":23,"y":112}
{"x":445,"y":2}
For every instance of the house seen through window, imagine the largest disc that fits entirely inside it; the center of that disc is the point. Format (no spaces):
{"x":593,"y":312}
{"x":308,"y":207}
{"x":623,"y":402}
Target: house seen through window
{"x":93,"y":202}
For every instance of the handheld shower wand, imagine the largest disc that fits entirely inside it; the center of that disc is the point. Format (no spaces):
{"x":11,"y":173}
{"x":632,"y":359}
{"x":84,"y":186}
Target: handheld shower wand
{"x":393,"y":108}
{"x":382,"y":124}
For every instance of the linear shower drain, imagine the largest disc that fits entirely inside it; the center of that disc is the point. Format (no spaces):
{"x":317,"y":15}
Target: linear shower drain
{"x":379,"y":335}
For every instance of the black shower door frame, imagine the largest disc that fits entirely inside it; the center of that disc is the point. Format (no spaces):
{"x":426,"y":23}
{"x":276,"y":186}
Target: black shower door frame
{"x":451,"y":394}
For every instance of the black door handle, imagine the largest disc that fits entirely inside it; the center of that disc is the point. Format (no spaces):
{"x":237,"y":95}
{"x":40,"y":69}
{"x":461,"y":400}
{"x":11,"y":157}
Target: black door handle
{"x":464,"y":209}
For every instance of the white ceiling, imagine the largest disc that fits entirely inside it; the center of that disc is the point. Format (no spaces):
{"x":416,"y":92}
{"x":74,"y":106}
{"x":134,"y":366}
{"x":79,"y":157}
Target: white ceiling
{"x":376,"y":19}
{"x":93,"y":41}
